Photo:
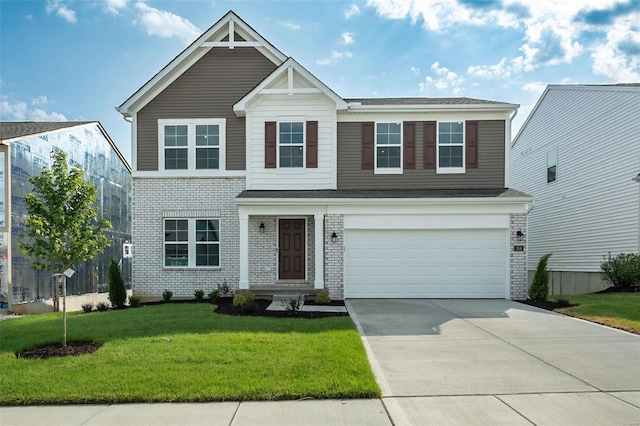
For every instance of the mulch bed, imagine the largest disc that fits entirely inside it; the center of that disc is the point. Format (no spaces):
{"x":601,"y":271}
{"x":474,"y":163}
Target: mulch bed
{"x":56,"y":350}
{"x":549,"y":305}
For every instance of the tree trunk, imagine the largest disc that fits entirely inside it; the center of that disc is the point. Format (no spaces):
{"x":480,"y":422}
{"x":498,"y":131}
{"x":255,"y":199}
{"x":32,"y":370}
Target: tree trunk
{"x":64,"y":312}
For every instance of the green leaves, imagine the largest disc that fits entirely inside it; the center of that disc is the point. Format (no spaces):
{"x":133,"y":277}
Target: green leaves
{"x":62,"y":224}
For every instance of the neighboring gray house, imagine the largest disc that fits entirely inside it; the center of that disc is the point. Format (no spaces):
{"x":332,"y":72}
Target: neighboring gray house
{"x":248,"y":169}
{"x":578,"y":153}
{"x":25,"y":149}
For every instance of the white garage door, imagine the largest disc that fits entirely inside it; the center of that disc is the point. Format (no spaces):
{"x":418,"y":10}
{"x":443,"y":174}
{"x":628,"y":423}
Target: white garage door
{"x":425,"y":263}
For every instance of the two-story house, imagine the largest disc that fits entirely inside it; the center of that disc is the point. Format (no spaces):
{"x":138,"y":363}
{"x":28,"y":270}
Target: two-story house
{"x":250,"y":170}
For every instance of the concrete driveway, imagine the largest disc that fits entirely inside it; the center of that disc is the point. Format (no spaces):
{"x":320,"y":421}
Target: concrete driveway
{"x":497,"y":362}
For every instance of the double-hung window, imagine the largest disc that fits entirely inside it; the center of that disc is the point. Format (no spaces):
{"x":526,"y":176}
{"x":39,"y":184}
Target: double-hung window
{"x":192,"y":243}
{"x":291,"y":144}
{"x":191,"y":144}
{"x":552,"y":164}
{"x":451,"y":147}
{"x":388,"y":150}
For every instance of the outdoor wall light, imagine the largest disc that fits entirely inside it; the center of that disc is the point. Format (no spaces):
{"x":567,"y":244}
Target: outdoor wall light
{"x":334,"y":237}
{"x":520,"y":234}
{"x":262,"y":228}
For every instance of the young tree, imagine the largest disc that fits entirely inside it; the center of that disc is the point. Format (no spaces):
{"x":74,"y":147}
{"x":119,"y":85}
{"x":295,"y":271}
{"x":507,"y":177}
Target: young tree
{"x":62,"y":227}
{"x":539,"y":289}
{"x":117,"y":292}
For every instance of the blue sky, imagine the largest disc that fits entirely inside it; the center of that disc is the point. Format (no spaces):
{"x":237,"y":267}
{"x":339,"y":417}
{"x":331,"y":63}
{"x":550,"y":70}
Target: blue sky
{"x":77,"y":60}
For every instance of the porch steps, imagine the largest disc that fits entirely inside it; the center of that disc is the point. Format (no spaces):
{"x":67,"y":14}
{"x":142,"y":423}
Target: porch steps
{"x":268,"y":292}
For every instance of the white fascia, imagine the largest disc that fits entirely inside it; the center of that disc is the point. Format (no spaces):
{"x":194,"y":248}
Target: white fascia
{"x":506,"y":108}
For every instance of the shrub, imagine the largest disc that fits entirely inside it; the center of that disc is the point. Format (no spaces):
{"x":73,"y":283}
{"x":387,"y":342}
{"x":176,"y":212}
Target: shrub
{"x":134,"y":302}
{"x":87,"y":307}
{"x":622,"y":271}
{"x":292,"y":305}
{"x":117,"y":292}
{"x":539,"y":289}
{"x":214,"y":295}
{"x":199,"y":295}
{"x":224,"y":290}
{"x":323,"y":298}
{"x":167,"y":295}
{"x":242,"y":299}
{"x":102,"y":306}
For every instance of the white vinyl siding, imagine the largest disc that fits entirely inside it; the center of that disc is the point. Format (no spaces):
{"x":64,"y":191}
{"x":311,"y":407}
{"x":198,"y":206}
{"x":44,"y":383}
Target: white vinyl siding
{"x":283,"y":108}
{"x":593,"y":207}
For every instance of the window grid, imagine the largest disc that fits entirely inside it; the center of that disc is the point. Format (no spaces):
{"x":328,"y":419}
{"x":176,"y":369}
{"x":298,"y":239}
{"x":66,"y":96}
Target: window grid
{"x":192,"y":144}
{"x":192,"y":243}
{"x":176,"y":140}
{"x":451,"y":145}
{"x":291,"y":144}
{"x":388,"y":145}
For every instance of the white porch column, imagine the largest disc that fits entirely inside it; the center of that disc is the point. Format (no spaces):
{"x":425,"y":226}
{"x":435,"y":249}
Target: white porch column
{"x":244,"y":250}
{"x":319,"y":239}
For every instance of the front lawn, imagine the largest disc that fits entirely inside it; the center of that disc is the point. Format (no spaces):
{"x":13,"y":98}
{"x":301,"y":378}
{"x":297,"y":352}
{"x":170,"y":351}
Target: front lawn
{"x":619,"y":310}
{"x":184,"y":352}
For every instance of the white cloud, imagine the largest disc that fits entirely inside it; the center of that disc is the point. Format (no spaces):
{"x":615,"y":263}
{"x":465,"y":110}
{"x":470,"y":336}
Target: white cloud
{"x":40,"y":100}
{"x":60,"y":9}
{"x":166,"y":24}
{"x":611,"y":60}
{"x":503,"y":69}
{"x":19,"y":111}
{"x":114,"y":6}
{"x":347,"y":38}
{"x":535,"y":87}
{"x":290,"y":25}
{"x":552,"y":31}
{"x":352,"y":11}
{"x":335,"y":57}
{"x":445,"y":80}
{"x":415,"y":70}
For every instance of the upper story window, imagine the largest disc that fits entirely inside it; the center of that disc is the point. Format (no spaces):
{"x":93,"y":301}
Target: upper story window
{"x":450,"y":147}
{"x":192,"y":242}
{"x":552,"y":164}
{"x":196,"y":144}
{"x":291,"y":144}
{"x":388,"y":149}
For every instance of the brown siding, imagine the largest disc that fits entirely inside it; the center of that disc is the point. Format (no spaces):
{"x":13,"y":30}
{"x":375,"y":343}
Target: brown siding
{"x":206,"y":90}
{"x":490,"y":173}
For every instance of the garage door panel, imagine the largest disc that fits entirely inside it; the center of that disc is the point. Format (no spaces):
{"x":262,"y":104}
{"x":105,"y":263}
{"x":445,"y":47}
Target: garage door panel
{"x":425,"y":263}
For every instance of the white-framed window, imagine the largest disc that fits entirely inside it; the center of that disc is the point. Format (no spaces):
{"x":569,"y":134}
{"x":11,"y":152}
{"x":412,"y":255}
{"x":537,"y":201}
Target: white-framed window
{"x":388,"y":150}
{"x":291,"y":138}
{"x":191,"y":144}
{"x":450,"y":145}
{"x":192,"y":242}
{"x":552,"y":165}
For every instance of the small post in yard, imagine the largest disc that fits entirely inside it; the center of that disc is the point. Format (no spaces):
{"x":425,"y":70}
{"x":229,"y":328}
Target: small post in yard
{"x":67,"y":274}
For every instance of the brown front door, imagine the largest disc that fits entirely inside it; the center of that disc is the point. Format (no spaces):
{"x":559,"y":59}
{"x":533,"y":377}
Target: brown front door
{"x":291,"y":259}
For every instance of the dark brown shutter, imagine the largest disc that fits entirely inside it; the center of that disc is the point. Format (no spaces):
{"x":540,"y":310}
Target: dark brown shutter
{"x":367,"y":145}
{"x":429,"y":142}
{"x":270,"y":144}
{"x":471,"y":142}
{"x":312,"y":144}
{"x":409,"y":145}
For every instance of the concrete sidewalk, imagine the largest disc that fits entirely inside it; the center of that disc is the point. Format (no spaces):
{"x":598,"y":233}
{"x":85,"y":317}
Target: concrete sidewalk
{"x":275,"y":413}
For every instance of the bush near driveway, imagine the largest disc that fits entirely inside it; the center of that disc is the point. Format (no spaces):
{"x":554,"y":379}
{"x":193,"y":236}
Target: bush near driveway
{"x":622,"y":271}
{"x":205,"y":357}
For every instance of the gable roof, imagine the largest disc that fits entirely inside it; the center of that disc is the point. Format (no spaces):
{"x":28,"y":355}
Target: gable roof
{"x":583,"y":87}
{"x":15,"y":130}
{"x":290,"y":64}
{"x":220,"y":34}
{"x":422,"y":101}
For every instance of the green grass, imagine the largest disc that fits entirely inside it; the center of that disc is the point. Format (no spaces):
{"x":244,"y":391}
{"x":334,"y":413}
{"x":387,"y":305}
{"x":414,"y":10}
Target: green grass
{"x":620,"y":310}
{"x":212,"y":357}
